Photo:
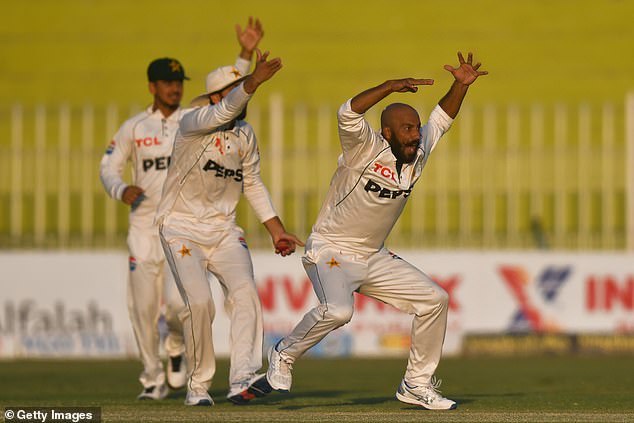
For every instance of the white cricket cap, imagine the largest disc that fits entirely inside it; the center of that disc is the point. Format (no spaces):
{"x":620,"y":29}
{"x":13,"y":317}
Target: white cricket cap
{"x":218,"y":80}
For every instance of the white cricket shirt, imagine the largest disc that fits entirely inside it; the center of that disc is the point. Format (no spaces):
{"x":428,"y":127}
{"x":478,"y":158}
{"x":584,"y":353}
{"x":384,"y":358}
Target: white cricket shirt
{"x":211,"y":167}
{"x":366,"y":195}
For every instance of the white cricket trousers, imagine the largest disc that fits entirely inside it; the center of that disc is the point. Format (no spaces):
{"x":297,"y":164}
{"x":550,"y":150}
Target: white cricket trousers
{"x":149,"y":284}
{"x":336,"y":275}
{"x":191,"y":254}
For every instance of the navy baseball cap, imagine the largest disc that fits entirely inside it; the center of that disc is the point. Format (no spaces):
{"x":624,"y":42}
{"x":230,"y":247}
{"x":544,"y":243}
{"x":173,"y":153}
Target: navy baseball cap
{"x":165,"y":69}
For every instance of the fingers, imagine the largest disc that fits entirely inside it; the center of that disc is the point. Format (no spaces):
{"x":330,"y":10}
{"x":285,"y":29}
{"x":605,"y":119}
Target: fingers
{"x":262,"y":56}
{"x":469,"y":58}
{"x":275,"y":64}
{"x":460,"y":58}
{"x":238,"y":30}
{"x":449,"y":68}
{"x":422,"y":81}
{"x":131,"y":193}
{"x":258,"y":27}
{"x":286,"y":245}
{"x":297,"y":241}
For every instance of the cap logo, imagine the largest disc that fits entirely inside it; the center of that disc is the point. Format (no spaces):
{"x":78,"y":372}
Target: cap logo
{"x":175,"y":66}
{"x":235,"y":72}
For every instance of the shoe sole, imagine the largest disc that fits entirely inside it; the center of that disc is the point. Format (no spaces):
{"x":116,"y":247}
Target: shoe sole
{"x":201,"y":403}
{"x":403,"y":398}
{"x":281,"y":390}
{"x":258,"y":389}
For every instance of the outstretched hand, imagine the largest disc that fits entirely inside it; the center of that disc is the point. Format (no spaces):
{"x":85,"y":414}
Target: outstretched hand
{"x":466,"y":72}
{"x":264,"y":70}
{"x":251,"y":35}
{"x":408,"y":84}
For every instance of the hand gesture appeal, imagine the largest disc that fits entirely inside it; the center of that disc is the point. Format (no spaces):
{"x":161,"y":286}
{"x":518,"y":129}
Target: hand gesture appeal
{"x":466,"y":73}
{"x":264,"y":70}
{"x":408,"y":84}
{"x":251,"y":35}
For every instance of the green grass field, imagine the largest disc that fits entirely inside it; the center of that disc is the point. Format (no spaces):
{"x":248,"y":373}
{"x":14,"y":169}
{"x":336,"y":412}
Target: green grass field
{"x":545,"y":389}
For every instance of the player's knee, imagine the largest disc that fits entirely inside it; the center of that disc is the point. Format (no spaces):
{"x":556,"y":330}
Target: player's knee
{"x":434,"y":301}
{"x":339,"y":314}
{"x":201,"y":306}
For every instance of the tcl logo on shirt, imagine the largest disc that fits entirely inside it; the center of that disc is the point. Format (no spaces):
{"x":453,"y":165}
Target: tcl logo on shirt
{"x":147,"y":142}
{"x":384,"y":171}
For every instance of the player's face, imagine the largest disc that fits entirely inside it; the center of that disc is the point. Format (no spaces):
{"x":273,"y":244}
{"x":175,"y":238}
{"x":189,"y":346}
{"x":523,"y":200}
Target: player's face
{"x":167,"y":93}
{"x":405,"y":136}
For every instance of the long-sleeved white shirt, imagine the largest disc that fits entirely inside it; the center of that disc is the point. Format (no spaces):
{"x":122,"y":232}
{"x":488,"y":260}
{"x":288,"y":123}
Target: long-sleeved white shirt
{"x":366,"y":194}
{"x":211,"y":167}
{"x":146,"y":140}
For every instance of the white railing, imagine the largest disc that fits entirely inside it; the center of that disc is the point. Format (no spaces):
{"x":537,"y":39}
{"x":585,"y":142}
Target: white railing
{"x":558,"y":176}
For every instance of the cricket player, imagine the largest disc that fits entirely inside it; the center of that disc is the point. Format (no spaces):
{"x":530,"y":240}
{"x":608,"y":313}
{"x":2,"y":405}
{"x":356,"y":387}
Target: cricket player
{"x":215,"y":160}
{"x":146,"y":140}
{"x":345,"y":253}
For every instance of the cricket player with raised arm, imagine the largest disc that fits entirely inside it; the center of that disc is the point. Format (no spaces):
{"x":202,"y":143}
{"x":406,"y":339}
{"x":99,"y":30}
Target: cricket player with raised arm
{"x":215,"y":160}
{"x":146,"y":140}
{"x":345,"y":252}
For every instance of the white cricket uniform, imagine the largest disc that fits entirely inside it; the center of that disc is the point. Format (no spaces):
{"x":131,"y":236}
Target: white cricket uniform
{"x":211,"y":167}
{"x":345,"y":251}
{"x":146,"y":140}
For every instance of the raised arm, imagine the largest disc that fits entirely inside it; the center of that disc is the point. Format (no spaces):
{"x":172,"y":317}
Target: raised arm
{"x":207,"y":118}
{"x":362,"y":102}
{"x":249,"y":37}
{"x":465,"y":74}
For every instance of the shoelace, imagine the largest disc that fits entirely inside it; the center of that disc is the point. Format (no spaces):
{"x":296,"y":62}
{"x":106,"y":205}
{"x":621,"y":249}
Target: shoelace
{"x":434,"y":384}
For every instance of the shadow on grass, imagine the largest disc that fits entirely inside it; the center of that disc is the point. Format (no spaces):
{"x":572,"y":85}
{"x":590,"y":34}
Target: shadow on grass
{"x":494,"y":395}
{"x":309,"y":397}
{"x":177,"y":395}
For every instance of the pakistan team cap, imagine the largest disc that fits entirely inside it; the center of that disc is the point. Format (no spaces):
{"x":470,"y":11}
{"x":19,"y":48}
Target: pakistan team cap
{"x":165,"y":69}
{"x":218,"y":80}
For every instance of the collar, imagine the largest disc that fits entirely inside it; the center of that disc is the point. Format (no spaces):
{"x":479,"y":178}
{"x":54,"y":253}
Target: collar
{"x":174,"y":117}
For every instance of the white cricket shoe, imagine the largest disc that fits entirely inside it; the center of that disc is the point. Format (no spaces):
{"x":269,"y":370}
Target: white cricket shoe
{"x":426,"y":396}
{"x":154,"y":392}
{"x":246,"y":390}
{"x":176,"y":371}
{"x":201,"y":398}
{"x":279,"y":372}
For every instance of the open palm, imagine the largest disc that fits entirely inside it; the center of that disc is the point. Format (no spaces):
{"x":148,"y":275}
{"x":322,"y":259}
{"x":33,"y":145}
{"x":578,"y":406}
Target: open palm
{"x":466,"y":72}
{"x":251,"y":35}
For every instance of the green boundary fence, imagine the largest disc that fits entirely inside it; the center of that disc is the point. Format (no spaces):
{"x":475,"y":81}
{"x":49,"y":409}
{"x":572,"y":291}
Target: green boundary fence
{"x":554,"y":176}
